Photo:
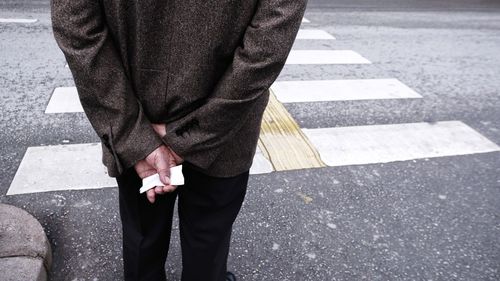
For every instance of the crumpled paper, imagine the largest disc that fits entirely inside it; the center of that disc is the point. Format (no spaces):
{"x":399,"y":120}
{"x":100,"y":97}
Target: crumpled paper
{"x":176,"y":178}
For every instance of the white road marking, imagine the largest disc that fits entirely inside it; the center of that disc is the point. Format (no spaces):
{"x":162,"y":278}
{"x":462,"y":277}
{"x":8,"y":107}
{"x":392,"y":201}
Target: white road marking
{"x":396,"y":142}
{"x":64,"y":99}
{"x":314,"y":34}
{"x":76,"y":167}
{"x":260,"y":164}
{"x":340,"y":90}
{"x":13,"y":20}
{"x":305,"y":20}
{"x":325,"y":57}
{"x":61,"y":167}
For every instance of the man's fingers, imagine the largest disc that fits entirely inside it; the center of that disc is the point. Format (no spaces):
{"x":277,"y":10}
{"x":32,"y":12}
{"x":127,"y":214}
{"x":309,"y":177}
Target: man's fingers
{"x":169,"y":188}
{"x":159,"y":190}
{"x":164,"y":189}
{"x":151,"y":195}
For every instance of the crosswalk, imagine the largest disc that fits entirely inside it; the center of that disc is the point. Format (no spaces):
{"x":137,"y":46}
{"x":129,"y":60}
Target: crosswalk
{"x":17,"y":20}
{"x":61,"y":167}
{"x":78,"y":166}
{"x":325,"y":57}
{"x":310,"y":34}
{"x":342,"y":90}
{"x":64,"y":100}
{"x":396,"y":142}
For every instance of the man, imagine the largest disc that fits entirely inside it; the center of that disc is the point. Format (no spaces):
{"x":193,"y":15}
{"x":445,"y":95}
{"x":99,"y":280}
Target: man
{"x":165,"y":82}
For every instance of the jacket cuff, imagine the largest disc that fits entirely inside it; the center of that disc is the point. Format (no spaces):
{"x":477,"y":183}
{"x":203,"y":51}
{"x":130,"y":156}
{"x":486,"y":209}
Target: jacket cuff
{"x":137,"y":145}
{"x":185,"y":142}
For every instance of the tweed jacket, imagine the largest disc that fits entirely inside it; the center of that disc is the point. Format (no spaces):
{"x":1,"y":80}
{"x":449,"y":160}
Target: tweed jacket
{"x":203,"y":68}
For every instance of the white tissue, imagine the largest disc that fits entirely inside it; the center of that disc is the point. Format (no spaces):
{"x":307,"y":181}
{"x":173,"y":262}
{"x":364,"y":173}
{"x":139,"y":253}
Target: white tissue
{"x":176,"y":178}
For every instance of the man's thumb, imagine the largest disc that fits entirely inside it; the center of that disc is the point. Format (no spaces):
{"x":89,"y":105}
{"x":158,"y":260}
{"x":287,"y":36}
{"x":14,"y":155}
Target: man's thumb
{"x":164,"y":175}
{"x":161,"y":164}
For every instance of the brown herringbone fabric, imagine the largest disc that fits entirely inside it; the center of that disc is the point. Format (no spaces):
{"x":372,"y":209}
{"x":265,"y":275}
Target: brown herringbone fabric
{"x":204,"y":68}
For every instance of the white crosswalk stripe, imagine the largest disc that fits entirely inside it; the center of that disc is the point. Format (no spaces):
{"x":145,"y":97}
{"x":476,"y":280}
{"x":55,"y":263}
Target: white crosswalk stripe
{"x":64,"y":100}
{"x":16,"y":20}
{"x":396,"y":142}
{"x":311,"y":34}
{"x":76,"y":167}
{"x":60,"y":167}
{"x":260,"y":164}
{"x":339,"y":90}
{"x":325,"y":57}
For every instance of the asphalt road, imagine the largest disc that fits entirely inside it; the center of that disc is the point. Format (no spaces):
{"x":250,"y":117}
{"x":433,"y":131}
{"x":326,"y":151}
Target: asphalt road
{"x":427,"y":219}
{"x":407,"y":5}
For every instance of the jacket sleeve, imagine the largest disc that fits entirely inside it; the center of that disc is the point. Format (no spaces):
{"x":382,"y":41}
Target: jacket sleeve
{"x":199,"y":137}
{"x":104,"y":89}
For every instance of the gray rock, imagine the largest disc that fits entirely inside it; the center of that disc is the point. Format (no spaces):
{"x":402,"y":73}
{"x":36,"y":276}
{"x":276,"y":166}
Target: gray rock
{"x":22,"y":268}
{"x":25,"y":252}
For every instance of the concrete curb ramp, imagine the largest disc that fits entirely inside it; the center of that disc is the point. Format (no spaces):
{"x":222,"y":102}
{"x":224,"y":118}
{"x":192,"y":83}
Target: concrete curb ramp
{"x":25,"y":252}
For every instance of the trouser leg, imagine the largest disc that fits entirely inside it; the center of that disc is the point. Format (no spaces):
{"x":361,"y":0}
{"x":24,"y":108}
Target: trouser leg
{"x":146,"y":229}
{"x":207,"y":207}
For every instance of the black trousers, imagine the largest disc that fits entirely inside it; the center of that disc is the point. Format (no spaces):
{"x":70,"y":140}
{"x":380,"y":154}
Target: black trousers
{"x":207,"y":208}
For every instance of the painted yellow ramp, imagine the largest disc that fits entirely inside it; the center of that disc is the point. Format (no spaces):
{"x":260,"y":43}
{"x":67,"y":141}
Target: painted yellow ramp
{"x":283,"y":143}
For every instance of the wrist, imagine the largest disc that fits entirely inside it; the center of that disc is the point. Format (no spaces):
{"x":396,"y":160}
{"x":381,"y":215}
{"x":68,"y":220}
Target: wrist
{"x":177,"y":158}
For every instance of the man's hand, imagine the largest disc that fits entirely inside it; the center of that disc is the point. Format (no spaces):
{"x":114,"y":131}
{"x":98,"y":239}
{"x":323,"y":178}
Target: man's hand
{"x":161,"y":130}
{"x":159,"y":161}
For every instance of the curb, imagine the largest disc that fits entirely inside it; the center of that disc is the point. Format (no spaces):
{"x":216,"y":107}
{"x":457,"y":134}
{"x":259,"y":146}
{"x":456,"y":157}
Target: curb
{"x":25,"y":252}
